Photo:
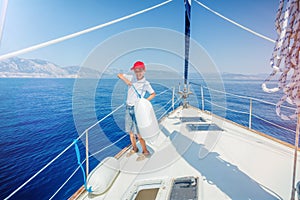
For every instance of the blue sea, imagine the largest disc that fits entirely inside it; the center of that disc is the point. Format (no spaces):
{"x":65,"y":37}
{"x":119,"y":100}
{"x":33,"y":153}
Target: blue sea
{"x":41,"y":117}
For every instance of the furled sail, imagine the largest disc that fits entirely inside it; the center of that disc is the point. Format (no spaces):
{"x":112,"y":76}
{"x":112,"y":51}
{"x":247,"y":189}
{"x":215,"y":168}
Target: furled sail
{"x":187,"y":4}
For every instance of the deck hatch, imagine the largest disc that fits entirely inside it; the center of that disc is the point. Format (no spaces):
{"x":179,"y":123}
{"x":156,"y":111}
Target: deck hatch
{"x":203,"y":127}
{"x":147,"y":194}
{"x":185,"y":188}
{"x":192,"y":119}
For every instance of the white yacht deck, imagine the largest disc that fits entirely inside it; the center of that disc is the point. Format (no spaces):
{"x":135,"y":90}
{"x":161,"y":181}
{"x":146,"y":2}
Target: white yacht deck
{"x":240,"y":165}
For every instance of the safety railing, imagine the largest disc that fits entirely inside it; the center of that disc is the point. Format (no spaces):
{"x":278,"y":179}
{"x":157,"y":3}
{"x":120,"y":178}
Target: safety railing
{"x":61,"y":153}
{"x":86,"y":132}
{"x":250,"y":110}
{"x":88,"y":129}
{"x":58,"y":40}
{"x":250,"y":113}
{"x":87,"y":154}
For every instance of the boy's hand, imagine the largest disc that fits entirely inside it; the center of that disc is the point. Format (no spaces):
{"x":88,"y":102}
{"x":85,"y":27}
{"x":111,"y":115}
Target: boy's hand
{"x":121,"y":76}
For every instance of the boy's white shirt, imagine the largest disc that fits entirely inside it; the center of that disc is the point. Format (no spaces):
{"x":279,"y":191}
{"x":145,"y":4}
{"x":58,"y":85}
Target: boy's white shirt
{"x":142,"y":86}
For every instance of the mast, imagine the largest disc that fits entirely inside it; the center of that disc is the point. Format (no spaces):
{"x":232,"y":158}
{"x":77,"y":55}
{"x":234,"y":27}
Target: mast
{"x":187,"y":4}
{"x":185,"y":93}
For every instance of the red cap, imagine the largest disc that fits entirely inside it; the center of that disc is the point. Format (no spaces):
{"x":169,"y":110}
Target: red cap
{"x":138,"y":65}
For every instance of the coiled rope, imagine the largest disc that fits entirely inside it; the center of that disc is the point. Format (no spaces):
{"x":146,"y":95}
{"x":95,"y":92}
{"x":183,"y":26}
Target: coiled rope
{"x":285,"y":57}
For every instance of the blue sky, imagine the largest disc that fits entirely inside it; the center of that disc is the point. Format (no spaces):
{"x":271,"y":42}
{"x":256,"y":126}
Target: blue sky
{"x":232,"y":49}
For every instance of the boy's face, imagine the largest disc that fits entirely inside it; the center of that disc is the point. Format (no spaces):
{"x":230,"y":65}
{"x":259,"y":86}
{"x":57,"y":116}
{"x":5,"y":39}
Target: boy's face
{"x":139,"y":73}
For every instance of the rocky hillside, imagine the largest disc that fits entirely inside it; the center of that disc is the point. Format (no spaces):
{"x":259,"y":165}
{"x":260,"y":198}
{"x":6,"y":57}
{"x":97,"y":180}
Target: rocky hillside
{"x":36,"y":68}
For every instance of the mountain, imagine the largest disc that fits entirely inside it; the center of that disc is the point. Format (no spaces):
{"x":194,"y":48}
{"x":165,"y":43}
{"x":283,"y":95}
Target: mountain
{"x":231,"y":76}
{"x":81,"y":72}
{"x":19,"y":67}
{"x":35,"y":68}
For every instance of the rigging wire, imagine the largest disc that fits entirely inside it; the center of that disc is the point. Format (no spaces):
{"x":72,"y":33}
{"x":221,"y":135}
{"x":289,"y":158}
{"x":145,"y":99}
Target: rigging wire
{"x":2,"y":18}
{"x":76,"y":34}
{"x":235,"y":23}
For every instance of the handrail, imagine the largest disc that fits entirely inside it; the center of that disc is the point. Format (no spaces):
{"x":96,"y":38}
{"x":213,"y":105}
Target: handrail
{"x":87,"y":137}
{"x":121,"y":138}
{"x":274,"y":124}
{"x":242,"y":112}
{"x":68,"y":179}
{"x":61,"y":153}
{"x":162,"y":92}
{"x":250,"y":114}
{"x":54,"y":159}
{"x":164,"y":105}
{"x":241,"y":96}
{"x":223,"y":92}
{"x":76,"y":34}
{"x":68,"y":147}
{"x":237,"y":111}
{"x":86,"y":160}
{"x":169,"y":108}
{"x":173,"y":97}
{"x":112,"y":112}
{"x":41,"y":170}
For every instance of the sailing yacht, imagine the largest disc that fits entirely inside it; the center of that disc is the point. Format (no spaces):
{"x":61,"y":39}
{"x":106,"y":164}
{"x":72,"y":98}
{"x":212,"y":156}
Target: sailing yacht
{"x":197,"y":155}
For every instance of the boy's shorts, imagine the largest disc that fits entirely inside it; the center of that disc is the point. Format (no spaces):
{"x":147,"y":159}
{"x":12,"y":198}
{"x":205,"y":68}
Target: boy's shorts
{"x":130,"y":120}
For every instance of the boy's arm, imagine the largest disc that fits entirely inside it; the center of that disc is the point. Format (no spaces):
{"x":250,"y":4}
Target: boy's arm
{"x":151,"y":96}
{"x":121,"y":76}
{"x":150,"y":90}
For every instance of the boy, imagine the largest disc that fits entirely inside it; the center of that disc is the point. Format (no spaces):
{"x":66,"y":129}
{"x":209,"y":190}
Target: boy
{"x":142,"y":86}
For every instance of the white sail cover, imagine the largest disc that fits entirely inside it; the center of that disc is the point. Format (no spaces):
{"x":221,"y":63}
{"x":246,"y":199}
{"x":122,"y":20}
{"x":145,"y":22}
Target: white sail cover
{"x":146,"y":120}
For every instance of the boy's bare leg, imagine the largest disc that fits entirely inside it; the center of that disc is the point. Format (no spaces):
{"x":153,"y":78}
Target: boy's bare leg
{"x":143,"y":144}
{"x":133,"y":141}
